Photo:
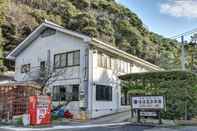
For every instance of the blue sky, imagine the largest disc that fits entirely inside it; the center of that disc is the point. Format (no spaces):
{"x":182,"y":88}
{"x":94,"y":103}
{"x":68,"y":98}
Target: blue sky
{"x":166,"y":17}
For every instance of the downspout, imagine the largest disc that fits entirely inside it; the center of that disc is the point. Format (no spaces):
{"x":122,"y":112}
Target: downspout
{"x":86,"y":79}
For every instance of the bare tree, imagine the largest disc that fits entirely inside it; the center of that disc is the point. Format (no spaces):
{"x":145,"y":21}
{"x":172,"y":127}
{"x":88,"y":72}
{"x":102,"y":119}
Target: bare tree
{"x":46,"y":75}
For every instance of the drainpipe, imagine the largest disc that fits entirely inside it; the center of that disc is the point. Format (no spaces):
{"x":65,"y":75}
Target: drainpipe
{"x":86,"y":79}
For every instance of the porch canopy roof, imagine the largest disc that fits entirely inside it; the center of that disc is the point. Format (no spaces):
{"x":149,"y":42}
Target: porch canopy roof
{"x":160,"y":76}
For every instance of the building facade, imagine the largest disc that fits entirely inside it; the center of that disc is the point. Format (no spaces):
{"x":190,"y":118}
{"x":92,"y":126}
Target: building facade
{"x":85,"y":70}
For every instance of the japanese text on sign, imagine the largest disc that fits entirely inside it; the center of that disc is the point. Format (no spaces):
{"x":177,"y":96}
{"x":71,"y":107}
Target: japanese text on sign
{"x":148,"y":102}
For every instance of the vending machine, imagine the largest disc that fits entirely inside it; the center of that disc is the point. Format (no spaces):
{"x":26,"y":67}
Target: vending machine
{"x":40,"y":110}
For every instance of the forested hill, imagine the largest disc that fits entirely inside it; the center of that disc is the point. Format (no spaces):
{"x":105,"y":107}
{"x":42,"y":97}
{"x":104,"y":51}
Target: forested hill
{"x":103,"y":19}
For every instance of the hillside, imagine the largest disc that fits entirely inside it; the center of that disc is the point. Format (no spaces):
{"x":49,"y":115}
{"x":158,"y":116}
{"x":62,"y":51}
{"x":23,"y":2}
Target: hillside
{"x":103,"y":19}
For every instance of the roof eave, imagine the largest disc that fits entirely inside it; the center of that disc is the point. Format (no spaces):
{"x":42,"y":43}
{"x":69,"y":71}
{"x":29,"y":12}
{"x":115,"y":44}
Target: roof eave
{"x":131,"y":57}
{"x":13,"y":54}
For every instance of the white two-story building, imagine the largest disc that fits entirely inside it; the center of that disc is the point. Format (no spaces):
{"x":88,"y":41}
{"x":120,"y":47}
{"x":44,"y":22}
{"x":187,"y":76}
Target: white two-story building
{"x":87,"y":67}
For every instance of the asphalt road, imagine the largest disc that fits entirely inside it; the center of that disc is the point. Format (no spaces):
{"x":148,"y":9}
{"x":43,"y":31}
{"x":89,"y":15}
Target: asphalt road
{"x":110,"y":128}
{"x":120,"y":128}
{"x":133,"y":128}
{"x":113,"y":128}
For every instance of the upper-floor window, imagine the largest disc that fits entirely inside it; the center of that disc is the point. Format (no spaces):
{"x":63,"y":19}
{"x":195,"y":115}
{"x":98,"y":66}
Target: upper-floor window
{"x":67,"y":59}
{"x":131,"y":67}
{"x":25,"y":68}
{"x":104,"y":60}
{"x":116,"y":64}
{"x":42,"y":66}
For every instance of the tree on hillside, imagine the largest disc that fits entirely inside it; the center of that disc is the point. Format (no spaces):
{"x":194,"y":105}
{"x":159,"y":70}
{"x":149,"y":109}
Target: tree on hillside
{"x":104,"y":19}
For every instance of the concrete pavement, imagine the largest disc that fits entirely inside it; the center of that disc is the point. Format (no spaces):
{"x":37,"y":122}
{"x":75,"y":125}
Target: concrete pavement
{"x":113,"y":122}
{"x":105,"y":127}
{"x":112,"y":128}
{"x":117,"y":127}
{"x":114,"y":118}
{"x":117,"y":118}
{"x":184,"y":128}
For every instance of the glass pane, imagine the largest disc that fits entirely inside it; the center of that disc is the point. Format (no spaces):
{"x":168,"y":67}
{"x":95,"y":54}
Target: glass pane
{"x":103,"y":92}
{"x":110,"y":93}
{"x":62,"y":93}
{"x":42,"y":65}
{"x":70,"y":59}
{"x":97,"y":92}
{"x":112,"y":63}
{"x":76,"y":58}
{"x":55,"y":93}
{"x":99,"y":60}
{"x":75,"y":92}
{"x":63,"y":60}
{"x":57,"y":61}
{"x":108,"y":62}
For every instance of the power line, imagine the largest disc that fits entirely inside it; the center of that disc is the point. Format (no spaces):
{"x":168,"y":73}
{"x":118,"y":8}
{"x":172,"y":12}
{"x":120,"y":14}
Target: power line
{"x":184,"y":34}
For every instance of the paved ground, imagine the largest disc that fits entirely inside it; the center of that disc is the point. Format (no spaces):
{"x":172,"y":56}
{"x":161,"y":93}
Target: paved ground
{"x":108,"y":123}
{"x":115,"y":118}
{"x":106,"y":128}
{"x":112,"y":128}
{"x":186,"y":128}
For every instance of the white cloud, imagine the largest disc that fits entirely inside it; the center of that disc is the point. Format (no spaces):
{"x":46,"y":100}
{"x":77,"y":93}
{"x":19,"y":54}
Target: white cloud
{"x":180,"y":8}
{"x":117,"y":1}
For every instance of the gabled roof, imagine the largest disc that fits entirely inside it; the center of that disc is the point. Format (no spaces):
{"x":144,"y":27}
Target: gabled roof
{"x":90,"y":40}
{"x":47,"y":24}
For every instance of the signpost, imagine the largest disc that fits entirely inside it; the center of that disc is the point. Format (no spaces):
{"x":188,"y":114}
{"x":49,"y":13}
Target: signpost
{"x":149,"y":106}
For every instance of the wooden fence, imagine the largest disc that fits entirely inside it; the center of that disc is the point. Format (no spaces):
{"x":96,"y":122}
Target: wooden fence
{"x":14,"y":99}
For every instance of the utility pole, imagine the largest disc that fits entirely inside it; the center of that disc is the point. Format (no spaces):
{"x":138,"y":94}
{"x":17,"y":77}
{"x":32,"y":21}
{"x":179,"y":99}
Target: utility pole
{"x":183,"y":68}
{"x":182,"y":53}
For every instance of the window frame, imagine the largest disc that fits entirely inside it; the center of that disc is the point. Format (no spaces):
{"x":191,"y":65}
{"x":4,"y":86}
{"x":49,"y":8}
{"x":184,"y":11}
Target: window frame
{"x":99,"y":59}
{"x":59,"y":65}
{"x":106,"y":97}
{"x":27,"y":66}
{"x":42,"y":65}
{"x":66,"y":63}
{"x":57,"y":94}
{"x":74,"y":55}
{"x":77,"y":97}
{"x":104,"y":60}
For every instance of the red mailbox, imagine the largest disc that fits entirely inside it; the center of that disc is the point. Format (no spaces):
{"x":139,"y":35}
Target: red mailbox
{"x":40,"y":110}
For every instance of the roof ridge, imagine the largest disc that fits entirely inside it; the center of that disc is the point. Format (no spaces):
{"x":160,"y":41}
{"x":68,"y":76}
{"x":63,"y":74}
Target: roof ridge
{"x":52,"y":23}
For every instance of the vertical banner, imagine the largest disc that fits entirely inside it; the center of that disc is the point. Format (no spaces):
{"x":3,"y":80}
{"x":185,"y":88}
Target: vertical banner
{"x":40,"y":110}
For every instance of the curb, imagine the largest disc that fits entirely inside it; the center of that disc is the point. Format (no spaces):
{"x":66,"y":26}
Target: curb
{"x":63,"y":127}
{"x":58,"y":127}
{"x":152,"y":125}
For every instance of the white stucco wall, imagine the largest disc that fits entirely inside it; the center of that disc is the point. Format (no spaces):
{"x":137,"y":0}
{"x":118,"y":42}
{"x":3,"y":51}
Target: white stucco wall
{"x":109,"y":77}
{"x":37,"y":52}
{"x":58,"y":43}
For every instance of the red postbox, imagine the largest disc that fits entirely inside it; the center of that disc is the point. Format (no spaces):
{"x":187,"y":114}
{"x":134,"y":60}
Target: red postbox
{"x":40,"y":110}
